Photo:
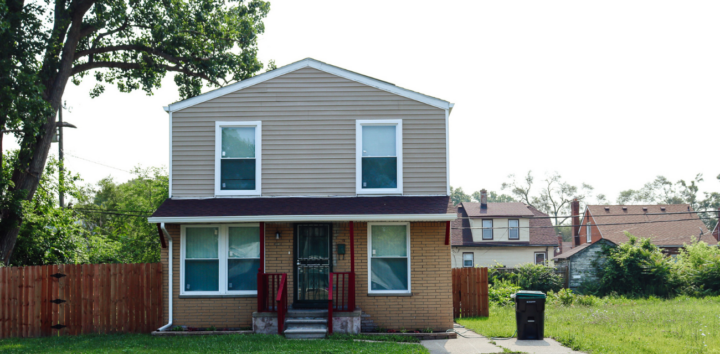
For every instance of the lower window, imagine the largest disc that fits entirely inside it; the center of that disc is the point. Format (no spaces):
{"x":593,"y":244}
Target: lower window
{"x":468,"y":259}
{"x":220,"y":259}
{"x":389,"y":253}
{"x":540,"y":258}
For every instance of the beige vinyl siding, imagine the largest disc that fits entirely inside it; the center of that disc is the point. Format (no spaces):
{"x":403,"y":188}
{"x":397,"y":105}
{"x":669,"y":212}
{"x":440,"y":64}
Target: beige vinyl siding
{"x":308,"y":126}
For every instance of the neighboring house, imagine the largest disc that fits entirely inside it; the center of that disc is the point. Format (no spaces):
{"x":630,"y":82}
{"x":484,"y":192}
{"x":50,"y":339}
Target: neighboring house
{"x":579,"y":262}
{"x":511,"y":234}
{"x":307,"y":170}
{"x":667,"y":226}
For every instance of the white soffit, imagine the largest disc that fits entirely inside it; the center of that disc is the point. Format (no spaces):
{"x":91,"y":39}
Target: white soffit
{"x":309,"y":62}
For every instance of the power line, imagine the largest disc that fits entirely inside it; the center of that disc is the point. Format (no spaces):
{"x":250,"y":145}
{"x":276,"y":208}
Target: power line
{"x":599,"y":216}
{"x":549,"y":227}
{"x":98,"y":163}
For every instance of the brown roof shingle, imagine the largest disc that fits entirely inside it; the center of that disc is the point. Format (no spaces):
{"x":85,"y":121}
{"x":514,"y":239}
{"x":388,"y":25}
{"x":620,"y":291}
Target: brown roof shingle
{"x":497,"y":210}
{"x":661,"y":226}
{"x":303,"y":206}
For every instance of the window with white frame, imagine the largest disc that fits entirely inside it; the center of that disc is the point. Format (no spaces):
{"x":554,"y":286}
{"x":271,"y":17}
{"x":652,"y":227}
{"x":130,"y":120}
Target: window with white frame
{"x":513,"y":229}
{"x":487,"y":229}
{"x":389,"y":257}
{"x":468,"y":259}
{"x":379,"y":156}
{"x":220,"y":259}
{"x":588,"y":237}
{"x":540,"y":258}
{"x":238,"y":158}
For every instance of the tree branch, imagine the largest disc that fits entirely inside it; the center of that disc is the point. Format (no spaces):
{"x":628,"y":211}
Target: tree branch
{"x":138,"y":48}
{"x":135,"y":66}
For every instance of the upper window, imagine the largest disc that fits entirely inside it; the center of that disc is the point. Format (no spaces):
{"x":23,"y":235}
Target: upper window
{"x":589,"y":233}
{"x":389,"y":254}
{"x":487,"y":229}
{"x":379,"y":156}
{"x":468,"y":259}
{"x":220,"y":259}
{"x":237,"y":158}
{"x":513,"y":229}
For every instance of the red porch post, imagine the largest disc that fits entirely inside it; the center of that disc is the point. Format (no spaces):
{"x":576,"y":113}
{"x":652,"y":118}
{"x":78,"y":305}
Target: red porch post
{"x":261,"y":295}
{"x":261,"y":269}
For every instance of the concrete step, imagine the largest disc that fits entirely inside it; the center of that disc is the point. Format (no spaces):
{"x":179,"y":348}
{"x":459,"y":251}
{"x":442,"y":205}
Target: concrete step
{"x":306,"y":320}
{"x":307,"y":313}
{"x":306,"y":332}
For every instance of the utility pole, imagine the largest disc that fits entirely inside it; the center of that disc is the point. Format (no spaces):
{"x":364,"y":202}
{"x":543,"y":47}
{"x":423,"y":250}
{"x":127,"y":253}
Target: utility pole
{"x":60,"y":155}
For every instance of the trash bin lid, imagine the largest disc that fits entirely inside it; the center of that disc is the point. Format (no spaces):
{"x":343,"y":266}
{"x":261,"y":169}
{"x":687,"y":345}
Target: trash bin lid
{"x":529,"y":294}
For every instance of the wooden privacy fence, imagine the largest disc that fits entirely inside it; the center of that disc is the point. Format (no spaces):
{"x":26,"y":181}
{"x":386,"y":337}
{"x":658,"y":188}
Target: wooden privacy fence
{"x":78,"y":299}
{"x":470,"y":292}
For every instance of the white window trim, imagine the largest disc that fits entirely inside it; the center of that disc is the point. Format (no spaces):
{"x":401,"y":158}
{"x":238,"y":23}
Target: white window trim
{"x":588,"y":230}
{"x":223,"y":239}
{"x":473,"y":259}
{"x":358,"y":156}
{"x":513,"y":227}
{"x":491,"y":228}
{"x":409,"y":254}
{"x":258,"y":157}
{"x":535,"y":257}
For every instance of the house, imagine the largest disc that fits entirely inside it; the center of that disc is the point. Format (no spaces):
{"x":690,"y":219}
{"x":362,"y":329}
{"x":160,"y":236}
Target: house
{"x":716,"y":231}
{"x":668,"y":226}
{"x":304,"y":198}
{"x":579,"y":262}
{"x":510,"y":234}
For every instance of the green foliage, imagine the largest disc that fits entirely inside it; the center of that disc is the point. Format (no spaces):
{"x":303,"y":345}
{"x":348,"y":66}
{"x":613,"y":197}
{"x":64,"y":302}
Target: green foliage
{"x":378,"y":338}
{"x":528,"y":277}
{"x":458,"y":196}
{"x":115,"y":215}
{"x":635,"y":268}
{"x":50,"y":234}
{"x":499,"y":292}
{"x":698,"y":267}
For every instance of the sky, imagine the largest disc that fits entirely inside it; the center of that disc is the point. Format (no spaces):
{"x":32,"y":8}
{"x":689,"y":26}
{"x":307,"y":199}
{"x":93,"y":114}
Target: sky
{"x":609,"y":93}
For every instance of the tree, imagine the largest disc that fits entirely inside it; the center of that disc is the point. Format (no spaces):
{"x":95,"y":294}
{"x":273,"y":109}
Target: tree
{"x":493,"y":197}
{"x":458,"y":196}
{"x":135,"y":43}
{"x":521,"y":190}
{"x":115,"y":215}
{"x":50,"y":234}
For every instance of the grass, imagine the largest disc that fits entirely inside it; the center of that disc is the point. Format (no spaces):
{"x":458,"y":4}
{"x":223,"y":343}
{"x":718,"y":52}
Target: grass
{"x":681,"y":325}
{"x":144,"y":343}
{"x":384,"y":338}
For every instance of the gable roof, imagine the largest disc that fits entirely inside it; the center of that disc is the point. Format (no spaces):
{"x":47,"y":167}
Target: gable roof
{"x":461,"y":234}
{"x":309,"y":62}
{"x":497,"y":210}
{"x":671,"y":227}
{"x":574,"y":251}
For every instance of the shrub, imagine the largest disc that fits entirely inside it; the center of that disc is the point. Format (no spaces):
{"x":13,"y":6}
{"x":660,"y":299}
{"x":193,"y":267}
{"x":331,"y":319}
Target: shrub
{"x":635,"y":268}
{"x":499,"y":293}
{"x":698,"y":268}
{"x":527,"y":277}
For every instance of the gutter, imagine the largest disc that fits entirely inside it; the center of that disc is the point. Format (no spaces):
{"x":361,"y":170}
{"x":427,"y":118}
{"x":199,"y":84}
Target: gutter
{"x":304,"y":218}
{"x":170,"y":278}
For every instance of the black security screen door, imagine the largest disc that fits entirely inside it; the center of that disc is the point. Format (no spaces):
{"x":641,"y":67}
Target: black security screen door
{"x":312,"y":269}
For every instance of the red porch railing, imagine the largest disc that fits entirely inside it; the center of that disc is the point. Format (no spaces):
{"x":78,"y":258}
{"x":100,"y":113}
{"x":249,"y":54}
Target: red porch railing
{"x":272,"y":296}
{"x":341,"y":294}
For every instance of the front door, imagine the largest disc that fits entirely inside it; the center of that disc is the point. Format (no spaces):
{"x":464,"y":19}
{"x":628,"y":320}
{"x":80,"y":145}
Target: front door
{"x":312,"y":265}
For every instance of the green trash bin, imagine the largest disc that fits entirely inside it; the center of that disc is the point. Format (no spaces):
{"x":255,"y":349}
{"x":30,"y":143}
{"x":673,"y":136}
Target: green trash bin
{"x":530,"y":314}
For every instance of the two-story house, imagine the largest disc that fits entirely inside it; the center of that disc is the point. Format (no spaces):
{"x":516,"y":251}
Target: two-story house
{"x":303,"y":197}
{"x":486,"y":234}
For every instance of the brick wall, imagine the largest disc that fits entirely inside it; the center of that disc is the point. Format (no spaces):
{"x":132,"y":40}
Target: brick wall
{"x":595,"y":236}
{"x":429,"y":306}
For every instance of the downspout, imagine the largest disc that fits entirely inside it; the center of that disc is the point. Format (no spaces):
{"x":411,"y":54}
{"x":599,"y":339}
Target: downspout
{"x":170,"y":278}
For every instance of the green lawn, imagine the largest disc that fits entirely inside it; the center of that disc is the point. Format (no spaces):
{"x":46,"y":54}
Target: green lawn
{"x":682,"y":325}
{"x":143,"y":343}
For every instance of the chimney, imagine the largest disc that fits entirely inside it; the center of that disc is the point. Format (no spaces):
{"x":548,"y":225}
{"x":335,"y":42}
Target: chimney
{"x":575,"y":213}
{"x":483,"y":199}
{"x":559,"y":247}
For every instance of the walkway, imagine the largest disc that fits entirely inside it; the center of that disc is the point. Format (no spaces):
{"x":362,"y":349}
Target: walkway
{"x":469,"y":342}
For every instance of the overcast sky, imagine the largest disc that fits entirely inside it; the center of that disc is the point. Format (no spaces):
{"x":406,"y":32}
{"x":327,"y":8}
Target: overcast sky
{"x":609,"y":93}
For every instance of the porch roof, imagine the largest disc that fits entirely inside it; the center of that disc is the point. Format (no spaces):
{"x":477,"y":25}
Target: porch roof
{"x":301,"y":209}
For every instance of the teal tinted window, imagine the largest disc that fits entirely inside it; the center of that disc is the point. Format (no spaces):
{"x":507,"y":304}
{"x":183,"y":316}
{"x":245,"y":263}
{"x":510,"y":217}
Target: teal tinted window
{"x":243,"y":258}
{"x":201,"y":275}
{"x":242,"y":274}
{"x":379,"y":156}
{"x":389,"y":258}
{"x":237,"y":158}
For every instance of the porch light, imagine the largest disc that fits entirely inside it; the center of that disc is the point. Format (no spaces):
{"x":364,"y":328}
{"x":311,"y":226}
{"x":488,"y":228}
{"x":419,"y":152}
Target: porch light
{"x":277,"y":235}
